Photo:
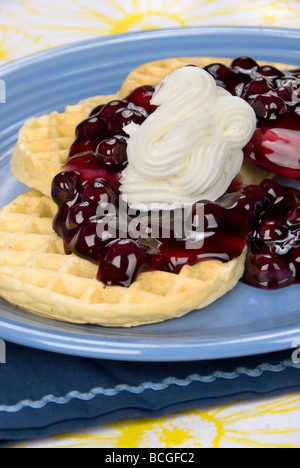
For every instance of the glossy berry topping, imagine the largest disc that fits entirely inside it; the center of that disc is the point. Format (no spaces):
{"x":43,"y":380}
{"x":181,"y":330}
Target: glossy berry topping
{"x":293,"y":216}
{"x":265,"y":217}
{"x":229,"y":78}
{"x":88,"y":133}
{"x":275,"y":98}
{"x":93,"y":235}
{"x":244,"y":65}
{"x":257,"y":87}
{"x":66,"y":186}
{"x":269,"y":107}
{"x":112,"y":154}
{"x":122,"y":118}
{"x":91,"y":127}
{"x":109,"y":110}
{"x":100,"y":192}
{"x":269,"y":72}
{"x":78,"y":214}
{"x":97,"y":110}
{"x":99,"y":149}
{"x":89,"y":167}
{"x":121,"y":261}
{"x":141,"y":97}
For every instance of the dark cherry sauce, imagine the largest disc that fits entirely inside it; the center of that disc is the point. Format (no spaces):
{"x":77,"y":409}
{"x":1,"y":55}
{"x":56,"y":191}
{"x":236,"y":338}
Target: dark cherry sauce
{"x":275,"y":98}
{"x":266,"y":217}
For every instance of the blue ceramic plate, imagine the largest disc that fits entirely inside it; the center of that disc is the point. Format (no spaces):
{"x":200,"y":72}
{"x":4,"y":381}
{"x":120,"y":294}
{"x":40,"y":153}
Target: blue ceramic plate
{"x":246,"y":321}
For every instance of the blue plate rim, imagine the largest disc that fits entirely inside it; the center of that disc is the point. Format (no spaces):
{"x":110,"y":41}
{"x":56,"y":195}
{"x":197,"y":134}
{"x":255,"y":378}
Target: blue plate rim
{"x":145,"y":350}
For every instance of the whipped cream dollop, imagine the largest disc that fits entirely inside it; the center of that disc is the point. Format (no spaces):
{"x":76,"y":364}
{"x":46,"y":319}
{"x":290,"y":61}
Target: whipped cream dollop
{"x":190,"y":148}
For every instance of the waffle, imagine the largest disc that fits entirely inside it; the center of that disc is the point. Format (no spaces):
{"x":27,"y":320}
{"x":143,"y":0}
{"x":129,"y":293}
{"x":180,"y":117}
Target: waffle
{"x":44,"y":142}
{"x":36,"y":275}
{"x":152,"y":73}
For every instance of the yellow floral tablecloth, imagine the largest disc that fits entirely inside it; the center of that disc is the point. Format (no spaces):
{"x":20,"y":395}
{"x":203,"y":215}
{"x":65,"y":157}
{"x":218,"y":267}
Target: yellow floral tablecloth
{"x":259,"y":424}
{"x":28,"y":26}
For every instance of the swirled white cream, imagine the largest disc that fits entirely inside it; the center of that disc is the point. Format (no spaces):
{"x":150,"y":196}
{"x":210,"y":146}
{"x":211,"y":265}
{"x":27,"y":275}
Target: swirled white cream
{"x":190,"y":148}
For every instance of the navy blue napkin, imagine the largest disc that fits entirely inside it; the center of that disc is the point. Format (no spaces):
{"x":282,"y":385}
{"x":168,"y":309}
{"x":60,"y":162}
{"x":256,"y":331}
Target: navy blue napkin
{"x":43,"y":394}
